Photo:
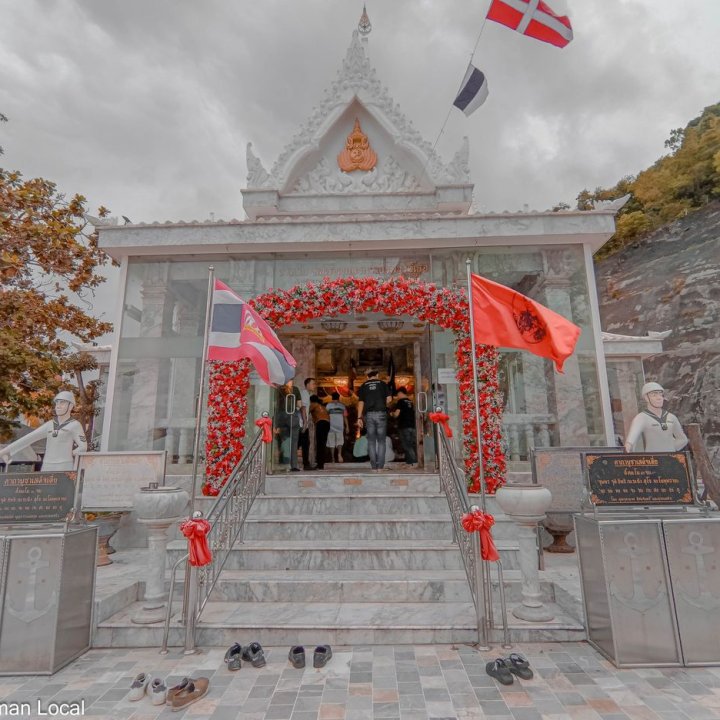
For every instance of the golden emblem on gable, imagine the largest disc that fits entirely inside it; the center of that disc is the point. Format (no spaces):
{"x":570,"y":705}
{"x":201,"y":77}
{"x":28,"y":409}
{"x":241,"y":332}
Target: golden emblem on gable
{"x":357,"y":153}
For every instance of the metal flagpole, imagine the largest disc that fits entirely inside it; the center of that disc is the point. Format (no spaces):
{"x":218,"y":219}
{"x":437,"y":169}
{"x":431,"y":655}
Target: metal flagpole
{"x":201,"y":391}
{"x":190,"y":589}
{"x":484,"y":566}
{"x":475,"y":389}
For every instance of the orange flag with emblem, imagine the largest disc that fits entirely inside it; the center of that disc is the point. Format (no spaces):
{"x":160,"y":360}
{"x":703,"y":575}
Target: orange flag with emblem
{"x":505,"y":318}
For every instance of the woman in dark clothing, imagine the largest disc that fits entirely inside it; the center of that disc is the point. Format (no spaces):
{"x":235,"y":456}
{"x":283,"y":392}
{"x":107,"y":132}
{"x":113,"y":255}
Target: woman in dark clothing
{"x":321,"y":417}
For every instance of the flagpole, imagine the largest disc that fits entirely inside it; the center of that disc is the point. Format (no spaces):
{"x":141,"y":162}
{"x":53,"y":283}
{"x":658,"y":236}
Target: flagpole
{"x":201,"y":391}
{"x":475,"y":389}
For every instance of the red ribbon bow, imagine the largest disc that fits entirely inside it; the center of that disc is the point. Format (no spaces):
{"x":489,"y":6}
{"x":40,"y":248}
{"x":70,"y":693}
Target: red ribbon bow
{"x":480,"y":522}
{"x":266,"y":424}
{"x":196,"y":532}
{"x":442,"y":419}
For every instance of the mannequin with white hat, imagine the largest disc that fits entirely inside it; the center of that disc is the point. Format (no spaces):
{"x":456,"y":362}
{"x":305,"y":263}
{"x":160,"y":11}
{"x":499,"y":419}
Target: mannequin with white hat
{"x":64,"y":436}
{"x":655,"y":429}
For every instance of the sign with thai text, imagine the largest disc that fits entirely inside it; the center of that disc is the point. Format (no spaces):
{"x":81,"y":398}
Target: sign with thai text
{"x":45,"y":497}
{"x":111,"y":479}
{"x":638,"y":479}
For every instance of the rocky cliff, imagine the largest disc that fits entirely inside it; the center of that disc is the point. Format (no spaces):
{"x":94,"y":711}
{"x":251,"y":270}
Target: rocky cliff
{"x":670,"y":280}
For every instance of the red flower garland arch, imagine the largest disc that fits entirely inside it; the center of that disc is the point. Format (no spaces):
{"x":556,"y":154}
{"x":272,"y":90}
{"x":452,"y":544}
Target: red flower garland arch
{"x":445,"y":307}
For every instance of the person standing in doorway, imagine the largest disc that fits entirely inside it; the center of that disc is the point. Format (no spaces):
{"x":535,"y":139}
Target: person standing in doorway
{"x":374,"y":397}
{"x":321,"y":419}
{"x":287,"y":425}
{"x":309,"y":389}
{"x":338,"y":427}
{"x":405,"y":413}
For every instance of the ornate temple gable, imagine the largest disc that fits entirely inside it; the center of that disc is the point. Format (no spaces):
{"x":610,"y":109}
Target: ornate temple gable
{"x":308,"y":163}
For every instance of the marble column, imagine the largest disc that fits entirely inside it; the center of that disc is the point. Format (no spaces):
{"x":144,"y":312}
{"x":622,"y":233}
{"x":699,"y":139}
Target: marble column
{"x":144,"y":410}
{"x":567,"y":388}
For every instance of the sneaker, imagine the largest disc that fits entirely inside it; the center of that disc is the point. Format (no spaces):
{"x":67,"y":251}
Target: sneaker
{"x":322,"y":655}
{"x":158,"y":691}
{"x":175,"y":689}
{"x":519,"y":666}
{"x":195,"y":689}
{"x":254,"y":654}
{"x":139,"y":687}
{"x":296,"y":656}
{"x":499,"y":670}
{"x":232,"y":657}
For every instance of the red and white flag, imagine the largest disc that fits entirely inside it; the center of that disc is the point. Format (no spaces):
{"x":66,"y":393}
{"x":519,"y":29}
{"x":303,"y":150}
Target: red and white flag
{"x":534,"y":19}
{"x":505,"y":318}
{"x":237,"y":332}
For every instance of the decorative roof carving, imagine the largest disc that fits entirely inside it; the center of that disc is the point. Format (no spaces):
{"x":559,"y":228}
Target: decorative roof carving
{"x":388,"y":176}
{"x":459,"y":167}
{"x":357,"y":78}
{"x":258,"y":176}
{"x":357,"y":153}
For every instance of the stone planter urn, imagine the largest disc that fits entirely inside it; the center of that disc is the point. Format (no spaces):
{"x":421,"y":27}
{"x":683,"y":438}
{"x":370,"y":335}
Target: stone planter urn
{"x":108,"y":524}
{"x":157,"y":507}
{"x":525,"y":505}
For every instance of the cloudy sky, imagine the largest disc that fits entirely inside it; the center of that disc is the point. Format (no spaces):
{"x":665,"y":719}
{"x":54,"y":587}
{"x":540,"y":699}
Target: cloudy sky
{"x":146,"y":106}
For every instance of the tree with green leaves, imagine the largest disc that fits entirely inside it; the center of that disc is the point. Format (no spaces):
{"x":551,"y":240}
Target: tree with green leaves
{"x":677,"y":184}
{"x":48,"y":254}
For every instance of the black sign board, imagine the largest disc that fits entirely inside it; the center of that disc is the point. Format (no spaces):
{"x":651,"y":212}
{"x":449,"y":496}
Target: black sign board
{"x":638,"y":479}
{"x":44,"y":497}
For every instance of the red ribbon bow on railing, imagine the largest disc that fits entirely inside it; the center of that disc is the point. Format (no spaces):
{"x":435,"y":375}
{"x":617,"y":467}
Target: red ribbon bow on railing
{"x":480,"y":522}
{"x":442,"y":419}
{"x":196,"y":531}
{"x":266,"y":424}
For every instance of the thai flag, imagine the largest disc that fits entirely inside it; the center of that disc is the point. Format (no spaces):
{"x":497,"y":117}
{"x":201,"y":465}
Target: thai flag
{"x":237,"y":332}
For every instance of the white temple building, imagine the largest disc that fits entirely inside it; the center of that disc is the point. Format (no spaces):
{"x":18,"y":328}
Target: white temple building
{"x":358,"y":192}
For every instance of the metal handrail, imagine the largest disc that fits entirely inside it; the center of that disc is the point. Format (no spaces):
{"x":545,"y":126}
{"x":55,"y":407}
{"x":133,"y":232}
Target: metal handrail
{"x":168,"y":612}
{"x":227,"y":519}
{"x":452,"y":480}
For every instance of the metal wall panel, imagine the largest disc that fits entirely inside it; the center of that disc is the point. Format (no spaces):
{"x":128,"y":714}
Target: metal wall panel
{"x":44,"y":621}
{"x":594,"y":587}
{"x":693,"y":551}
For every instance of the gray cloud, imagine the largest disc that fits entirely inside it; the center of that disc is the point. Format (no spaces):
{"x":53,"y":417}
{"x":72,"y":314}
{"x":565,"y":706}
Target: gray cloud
{"x":146,"y":106}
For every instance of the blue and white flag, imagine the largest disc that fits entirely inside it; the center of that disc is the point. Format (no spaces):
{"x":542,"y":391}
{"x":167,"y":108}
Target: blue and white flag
{"x":473,"y":91}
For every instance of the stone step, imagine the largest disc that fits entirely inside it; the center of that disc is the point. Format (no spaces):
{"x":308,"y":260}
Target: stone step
{"x":338,"y":624}
{"x":348,"y":555}
{"x":346,"y":483}
{"x":349,"y":527}
{"x":334,"y":504}
{"x":358,"y":586}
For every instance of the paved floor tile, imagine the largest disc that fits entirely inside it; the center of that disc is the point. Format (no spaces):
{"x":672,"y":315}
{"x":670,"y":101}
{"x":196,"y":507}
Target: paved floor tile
{"x":572,"y":682}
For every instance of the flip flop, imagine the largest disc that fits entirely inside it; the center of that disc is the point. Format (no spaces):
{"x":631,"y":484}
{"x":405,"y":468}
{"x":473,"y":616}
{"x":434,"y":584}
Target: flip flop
{"x":500,"y":670}
{"x":519,"y":666}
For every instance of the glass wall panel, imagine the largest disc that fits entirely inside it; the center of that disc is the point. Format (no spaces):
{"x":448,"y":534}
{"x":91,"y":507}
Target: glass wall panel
{"x":162,"y":328}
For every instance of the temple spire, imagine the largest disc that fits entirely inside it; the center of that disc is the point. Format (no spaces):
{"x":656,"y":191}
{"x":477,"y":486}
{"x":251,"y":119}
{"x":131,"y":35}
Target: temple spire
{"x":364,"y":26}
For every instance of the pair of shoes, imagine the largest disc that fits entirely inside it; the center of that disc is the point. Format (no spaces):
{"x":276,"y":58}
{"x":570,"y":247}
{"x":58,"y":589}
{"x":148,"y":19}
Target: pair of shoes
{"x":186,"y":692}
{"x":321,"y":656}
{"x":154,"y":687}
{"x":294,"y":469}
{"x":254,"y":654}
{"x":503,"y":669}
{"x":232,"y":656}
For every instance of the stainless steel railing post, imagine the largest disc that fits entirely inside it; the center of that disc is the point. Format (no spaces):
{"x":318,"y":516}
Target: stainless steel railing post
{"x":191,"y":611}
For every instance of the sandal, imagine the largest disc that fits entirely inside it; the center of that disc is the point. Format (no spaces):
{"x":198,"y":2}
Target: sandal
{"x":518,"y":665}
{"x":499,"y":669}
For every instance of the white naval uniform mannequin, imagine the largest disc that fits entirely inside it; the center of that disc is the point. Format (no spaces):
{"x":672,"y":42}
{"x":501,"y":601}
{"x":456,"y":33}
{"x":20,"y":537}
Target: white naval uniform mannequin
{"x":64,"y":439}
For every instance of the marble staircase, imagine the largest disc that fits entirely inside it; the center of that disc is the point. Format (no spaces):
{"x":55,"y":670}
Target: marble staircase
{"x":345,"y":558}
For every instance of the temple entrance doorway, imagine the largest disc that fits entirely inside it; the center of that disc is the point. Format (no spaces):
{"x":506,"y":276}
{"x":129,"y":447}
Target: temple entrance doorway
{"x":339,"y":352}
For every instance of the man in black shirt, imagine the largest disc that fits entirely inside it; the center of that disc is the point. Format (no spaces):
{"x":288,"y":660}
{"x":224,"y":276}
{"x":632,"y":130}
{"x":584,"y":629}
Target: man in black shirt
{"x":405,"y":414}
{"x":374,"y":397}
